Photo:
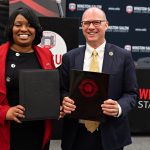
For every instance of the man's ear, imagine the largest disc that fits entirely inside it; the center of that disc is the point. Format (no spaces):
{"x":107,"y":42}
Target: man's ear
{"x":107,"y":25}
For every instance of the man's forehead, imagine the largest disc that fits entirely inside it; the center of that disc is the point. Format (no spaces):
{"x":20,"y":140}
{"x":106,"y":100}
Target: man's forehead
{"x":93,"y":12}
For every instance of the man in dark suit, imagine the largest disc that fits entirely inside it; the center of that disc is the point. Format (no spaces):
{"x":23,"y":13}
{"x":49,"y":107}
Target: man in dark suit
{"x":114,"y":133}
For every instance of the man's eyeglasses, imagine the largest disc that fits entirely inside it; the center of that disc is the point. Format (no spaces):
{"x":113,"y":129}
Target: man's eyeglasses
{"x":96,"y":23}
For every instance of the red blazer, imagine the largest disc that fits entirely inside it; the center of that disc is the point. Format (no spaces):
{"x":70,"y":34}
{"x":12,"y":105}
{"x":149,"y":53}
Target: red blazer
{"x":45,"y":59}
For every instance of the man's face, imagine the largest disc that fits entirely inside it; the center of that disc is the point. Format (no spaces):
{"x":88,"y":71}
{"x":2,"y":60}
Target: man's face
{"x":94,"y":26}
{"x":23,"y":32}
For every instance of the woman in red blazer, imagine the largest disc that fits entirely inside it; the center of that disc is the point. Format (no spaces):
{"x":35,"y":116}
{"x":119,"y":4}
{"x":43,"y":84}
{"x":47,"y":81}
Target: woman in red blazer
{"x":21,"y":52}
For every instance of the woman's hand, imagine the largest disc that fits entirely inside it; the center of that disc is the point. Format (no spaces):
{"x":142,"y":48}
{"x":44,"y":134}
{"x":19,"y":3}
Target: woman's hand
{"x":15,"y":113}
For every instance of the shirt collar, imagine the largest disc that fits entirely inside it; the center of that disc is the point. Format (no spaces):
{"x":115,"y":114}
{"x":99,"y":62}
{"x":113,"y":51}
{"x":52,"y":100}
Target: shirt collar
{"x":99,"y":49}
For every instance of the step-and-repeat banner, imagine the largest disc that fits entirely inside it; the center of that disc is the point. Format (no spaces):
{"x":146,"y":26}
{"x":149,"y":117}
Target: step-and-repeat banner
{"x":129,"y":28}
{"x":129,"y":25}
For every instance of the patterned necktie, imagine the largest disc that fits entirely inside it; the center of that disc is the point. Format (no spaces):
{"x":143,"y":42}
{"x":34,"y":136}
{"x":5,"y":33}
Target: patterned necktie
{"x":94,"y":62}
{"x":93,"y":125}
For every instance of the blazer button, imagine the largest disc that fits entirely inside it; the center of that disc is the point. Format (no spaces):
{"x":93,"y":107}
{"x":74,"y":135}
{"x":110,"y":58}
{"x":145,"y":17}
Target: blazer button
{"x":8,"y":79}
{"x":13,"y":65}
{"x":17,"y":54}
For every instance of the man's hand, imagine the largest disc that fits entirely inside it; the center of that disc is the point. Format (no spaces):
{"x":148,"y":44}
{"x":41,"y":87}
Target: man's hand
{"x":68,"y":105}
{"x":110,"y":107}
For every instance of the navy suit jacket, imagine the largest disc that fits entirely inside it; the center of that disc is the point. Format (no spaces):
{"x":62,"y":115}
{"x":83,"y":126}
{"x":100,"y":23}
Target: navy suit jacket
{"x":115,"y":132}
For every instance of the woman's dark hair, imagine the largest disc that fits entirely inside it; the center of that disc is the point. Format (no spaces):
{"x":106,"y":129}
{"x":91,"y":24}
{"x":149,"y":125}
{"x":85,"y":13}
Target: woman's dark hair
{"x":32,"y":19}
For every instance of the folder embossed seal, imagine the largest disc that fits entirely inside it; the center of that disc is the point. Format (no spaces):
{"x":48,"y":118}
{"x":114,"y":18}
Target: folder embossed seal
{"x":88,"y":88}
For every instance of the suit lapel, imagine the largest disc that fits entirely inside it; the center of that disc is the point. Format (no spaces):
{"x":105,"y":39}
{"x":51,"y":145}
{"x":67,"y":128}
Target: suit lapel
{"x":108,"y":59}
{"x":79,"y":59}
{"x":107,"y":62}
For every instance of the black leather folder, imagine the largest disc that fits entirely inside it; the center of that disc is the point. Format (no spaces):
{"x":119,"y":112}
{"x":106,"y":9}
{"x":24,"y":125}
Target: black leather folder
{"x":88,"y":90}
{"x":39,"y":93}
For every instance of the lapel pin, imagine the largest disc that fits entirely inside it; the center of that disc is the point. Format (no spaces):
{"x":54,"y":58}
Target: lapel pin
{"x":111,"y":53}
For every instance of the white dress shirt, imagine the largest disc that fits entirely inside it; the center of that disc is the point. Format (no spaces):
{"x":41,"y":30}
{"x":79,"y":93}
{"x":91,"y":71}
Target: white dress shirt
{"x":88,"y":56}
